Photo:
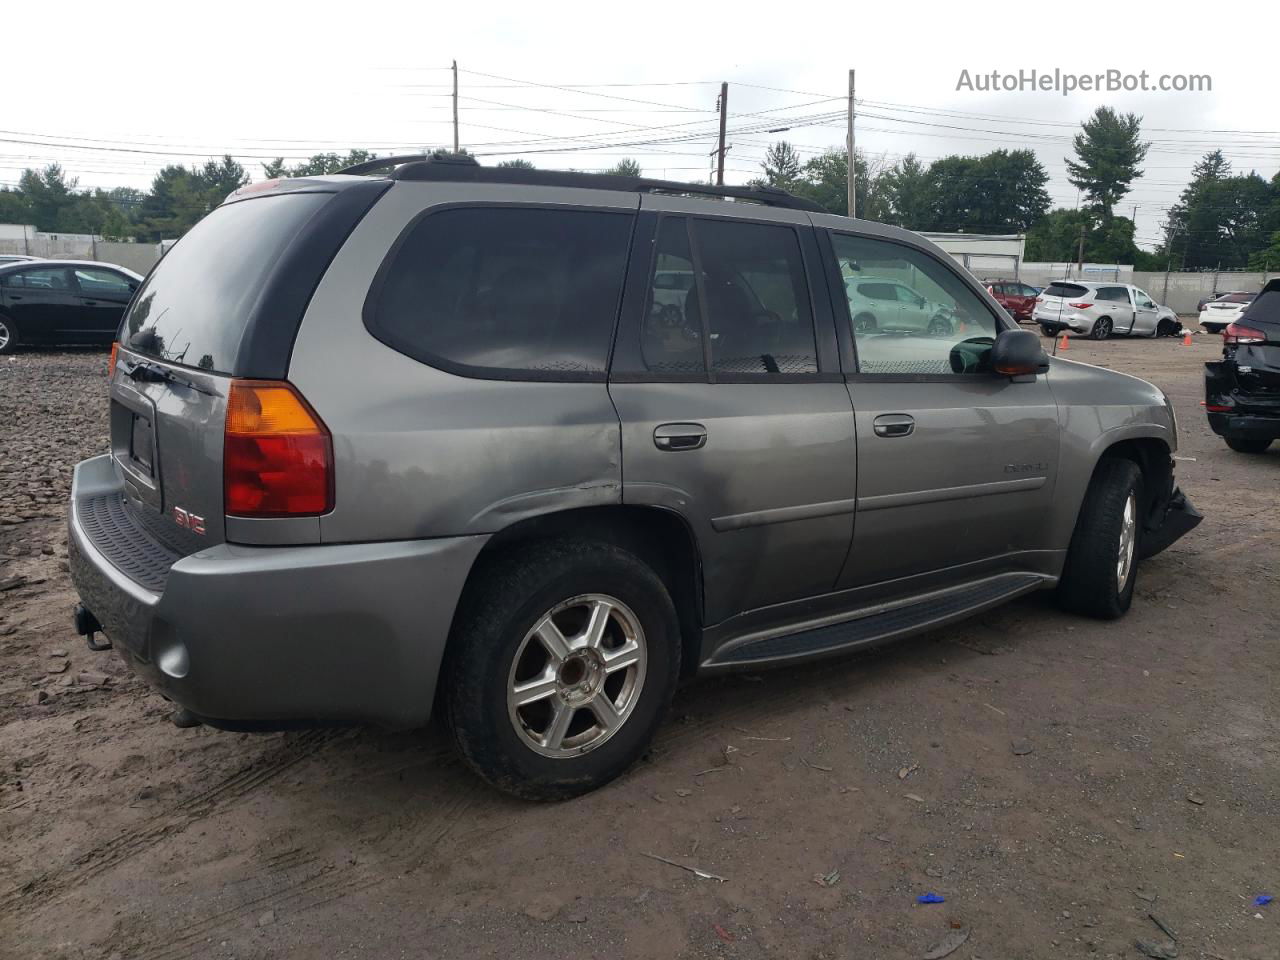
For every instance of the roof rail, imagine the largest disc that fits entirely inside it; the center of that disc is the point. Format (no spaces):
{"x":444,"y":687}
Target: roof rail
{"x":456,"y":168}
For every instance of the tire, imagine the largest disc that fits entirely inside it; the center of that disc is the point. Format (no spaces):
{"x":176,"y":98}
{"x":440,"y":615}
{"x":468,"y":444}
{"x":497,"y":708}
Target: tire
{"x":1091,"y":578}
{"x":1047,"y":332}
{"x":864,"y":323}
{"x":939,"y":327}
{"x":494,"y":647}
{"x":1101,"y":329}
{"x":1248,"y":444}
{"x":8,"y":335}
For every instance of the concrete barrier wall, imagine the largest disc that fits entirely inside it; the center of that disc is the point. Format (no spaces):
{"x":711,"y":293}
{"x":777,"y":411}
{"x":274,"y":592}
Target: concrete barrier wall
{"x":139,"y":257}
{"x":1183,"y":291}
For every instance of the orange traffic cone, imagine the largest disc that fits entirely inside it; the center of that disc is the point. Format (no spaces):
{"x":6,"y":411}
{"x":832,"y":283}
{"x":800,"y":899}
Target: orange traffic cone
{"x":1186,"y":339}
{"x":1063,"y":344}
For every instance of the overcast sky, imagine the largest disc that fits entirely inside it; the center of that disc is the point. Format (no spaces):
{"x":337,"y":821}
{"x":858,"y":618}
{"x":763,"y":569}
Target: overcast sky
{"x":168,"y":78}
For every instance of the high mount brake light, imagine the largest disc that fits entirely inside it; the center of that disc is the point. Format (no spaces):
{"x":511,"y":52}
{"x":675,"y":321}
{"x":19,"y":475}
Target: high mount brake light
{"x":277,"y":456}
{"x":1239,"y":333}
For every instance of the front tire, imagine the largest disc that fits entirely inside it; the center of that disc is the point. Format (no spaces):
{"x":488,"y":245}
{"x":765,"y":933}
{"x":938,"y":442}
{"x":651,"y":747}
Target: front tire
{"x":561,"y":664}
{"x":1101,"y":568}
{"x":1248,"y":444}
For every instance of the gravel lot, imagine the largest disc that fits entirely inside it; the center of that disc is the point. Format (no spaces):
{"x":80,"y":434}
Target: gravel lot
{"x":1057,"y":780}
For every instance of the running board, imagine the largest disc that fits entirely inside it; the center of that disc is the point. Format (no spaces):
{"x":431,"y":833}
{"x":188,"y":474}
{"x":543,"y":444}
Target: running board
{"x":880,"y":623}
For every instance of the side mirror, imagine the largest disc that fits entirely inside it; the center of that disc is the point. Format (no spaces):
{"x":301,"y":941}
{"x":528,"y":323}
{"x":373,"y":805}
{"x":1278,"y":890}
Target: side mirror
{"x":1017,"y":353}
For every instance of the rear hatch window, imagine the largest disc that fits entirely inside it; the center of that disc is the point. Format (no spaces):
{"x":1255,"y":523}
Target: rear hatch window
{"x":1065,"y":290}
{"x":193,"y":308}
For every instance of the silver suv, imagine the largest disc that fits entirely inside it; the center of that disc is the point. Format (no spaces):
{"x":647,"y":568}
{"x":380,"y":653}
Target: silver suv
{"x":533,"y":446}
{"x":1100,"y":309}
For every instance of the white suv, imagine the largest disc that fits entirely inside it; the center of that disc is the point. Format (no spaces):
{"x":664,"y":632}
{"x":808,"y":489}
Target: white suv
{"x":1098,"y":310}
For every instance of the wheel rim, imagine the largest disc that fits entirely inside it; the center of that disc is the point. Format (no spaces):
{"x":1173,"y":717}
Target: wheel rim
{"x":577,"y":675}
{"x":4,"y":335}
{"x":1128,"y":536}
{"x":1101,"y":329}
{"x":938,"y":327}
{"x":864,"y":323}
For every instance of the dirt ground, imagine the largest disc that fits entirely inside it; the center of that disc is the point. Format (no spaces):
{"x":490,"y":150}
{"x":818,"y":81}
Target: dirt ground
{"x":1151,"y":785}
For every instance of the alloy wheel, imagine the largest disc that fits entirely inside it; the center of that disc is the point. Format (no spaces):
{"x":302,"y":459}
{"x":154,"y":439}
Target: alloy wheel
{"x":1102,"y":329}
{"x":5,"y":335}
{"x":1128,"y":539}
{"x":577,"y":675}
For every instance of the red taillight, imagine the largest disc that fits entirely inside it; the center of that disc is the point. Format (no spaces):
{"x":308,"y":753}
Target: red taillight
{"x":1217,"y":408}
{"x":1239,"y":333}
{"x":277,"y":458}
{"x":111,"y":363}
{"x":1080,"y":306}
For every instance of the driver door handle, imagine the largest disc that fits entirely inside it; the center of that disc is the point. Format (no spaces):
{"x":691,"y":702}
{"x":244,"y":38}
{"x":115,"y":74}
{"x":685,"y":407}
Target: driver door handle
{"x":680,"y":436}
{"x":894,"y":425}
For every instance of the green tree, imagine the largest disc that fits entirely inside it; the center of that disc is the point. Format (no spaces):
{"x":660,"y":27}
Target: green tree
{"x":781,"y":165}
{"x":626,"y":167}
{"x":1109,"y":153}
{"x":910,"y":194}
{"x":318,"y":165}
{"x":519,"y":163}
{"x":50,"y":197}
{"x":1268,"y":258}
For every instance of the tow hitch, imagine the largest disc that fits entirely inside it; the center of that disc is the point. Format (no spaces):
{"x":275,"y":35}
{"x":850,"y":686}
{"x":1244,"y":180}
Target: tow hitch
{"x":87,"y":626}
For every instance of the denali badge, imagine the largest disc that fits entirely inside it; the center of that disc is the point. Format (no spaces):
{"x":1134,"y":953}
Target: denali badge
{"x":188,"y":520}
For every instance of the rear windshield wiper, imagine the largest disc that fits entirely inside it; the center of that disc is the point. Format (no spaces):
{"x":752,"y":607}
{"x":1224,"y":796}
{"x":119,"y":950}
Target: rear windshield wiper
{"x":143,"y":372}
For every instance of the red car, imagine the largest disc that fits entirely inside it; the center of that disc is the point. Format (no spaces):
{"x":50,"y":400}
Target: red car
{"x":1016,"y":297}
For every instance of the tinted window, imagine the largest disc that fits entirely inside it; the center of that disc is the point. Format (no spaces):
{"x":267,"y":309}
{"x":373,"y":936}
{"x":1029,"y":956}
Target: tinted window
{"x":195,"y":304}
{"x":671,"y":331}
{"x":757,"y":298}
{"x":95,"y":281}
{"x":506,"y":290}
{"x":1026,"y":291}
{"x":1064,"y":290}
{"x":935,"y":326}
{"x":50,"y":278}
{"x":1112,"y":295}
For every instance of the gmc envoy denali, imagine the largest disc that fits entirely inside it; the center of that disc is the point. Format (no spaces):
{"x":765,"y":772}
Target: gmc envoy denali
{"x":529,"y":447}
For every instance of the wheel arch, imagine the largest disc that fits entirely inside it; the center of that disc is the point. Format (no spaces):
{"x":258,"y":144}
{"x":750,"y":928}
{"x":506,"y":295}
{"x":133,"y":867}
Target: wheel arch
{"x":1154,"y":459}
{"x":658,"y":535}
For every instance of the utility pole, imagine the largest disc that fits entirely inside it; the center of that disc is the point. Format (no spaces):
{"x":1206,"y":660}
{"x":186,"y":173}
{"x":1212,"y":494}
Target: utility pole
{"x":1080,"y":255}
{"x":724,"y":116}
{"x":853,"y":198}
{"x":455,"y":106}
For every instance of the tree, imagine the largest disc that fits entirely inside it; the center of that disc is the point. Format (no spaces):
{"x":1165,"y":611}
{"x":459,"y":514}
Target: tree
{"x":50,"y":197}
{"x":781,"y":165}
{"x":318,"y":165}
{"x":519,"y":163}
{"x":1267,"y":259}
{"x":626,"y":167}
{"x":910,"y":194}
{"x":1109,"y":152}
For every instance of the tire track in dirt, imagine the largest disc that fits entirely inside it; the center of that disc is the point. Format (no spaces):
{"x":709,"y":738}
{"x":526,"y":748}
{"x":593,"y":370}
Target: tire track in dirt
{"x":433,"y":819}
{"x":133,"y":841}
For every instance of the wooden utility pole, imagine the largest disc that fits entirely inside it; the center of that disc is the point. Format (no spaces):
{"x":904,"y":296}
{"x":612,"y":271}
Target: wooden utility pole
{"x":1080,"y":255}
{"x":724,"y":116}
{"x":455,"y":106}
{"x":853,"y":198}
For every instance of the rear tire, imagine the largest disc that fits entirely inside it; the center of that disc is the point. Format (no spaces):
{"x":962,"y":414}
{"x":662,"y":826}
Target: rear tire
{"x":864,"y":323}
{"x":1101,"y":329}
{"x":1047,"y":331}
{"x":1107,"y":531}
{"x":507,"y":692}
{"x":8,"y":335}
{"x":1248,"y":444}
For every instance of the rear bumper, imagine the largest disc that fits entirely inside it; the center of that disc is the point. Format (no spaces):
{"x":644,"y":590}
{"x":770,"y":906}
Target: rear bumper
{"x":1249,"y":415}
{"x":1246,"y":424}
{"x":261,"y":635}
{"x":1076,"y":322}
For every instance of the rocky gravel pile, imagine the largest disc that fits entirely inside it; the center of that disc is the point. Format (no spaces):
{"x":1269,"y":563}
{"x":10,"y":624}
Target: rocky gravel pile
{"x":53,"y":414}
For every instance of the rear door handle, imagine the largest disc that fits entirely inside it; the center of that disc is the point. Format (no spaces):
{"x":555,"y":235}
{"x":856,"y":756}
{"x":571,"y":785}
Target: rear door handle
{"x":680,"y":436}
{"x":894,"y":425}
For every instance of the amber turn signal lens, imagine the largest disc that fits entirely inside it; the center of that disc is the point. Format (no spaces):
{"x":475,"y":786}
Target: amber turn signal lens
{"x":111,"y":363}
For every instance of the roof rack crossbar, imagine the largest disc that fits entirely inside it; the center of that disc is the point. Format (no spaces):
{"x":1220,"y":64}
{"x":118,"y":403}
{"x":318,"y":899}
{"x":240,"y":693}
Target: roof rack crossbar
{"x":464,"y":168}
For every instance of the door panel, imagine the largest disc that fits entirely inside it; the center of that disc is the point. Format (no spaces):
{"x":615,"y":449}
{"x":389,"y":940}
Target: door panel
{"x":769,"y":494}
{"x":972,"y":480}
{"x":733,"y":412}
{"x":42,"y":301}
{"x":1145,"y":313}
{"x":104,"y":294}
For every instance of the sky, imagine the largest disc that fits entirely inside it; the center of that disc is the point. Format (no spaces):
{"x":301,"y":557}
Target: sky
{"x":131,"y":86}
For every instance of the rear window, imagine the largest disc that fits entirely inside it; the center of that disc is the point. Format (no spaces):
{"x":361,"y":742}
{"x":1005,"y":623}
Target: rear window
{"x":193,"y":308}
{"x":1237,"y":298}
{"x":517,"y":292}
{"x":1065,"y":290}
{"x":1266,"y":306}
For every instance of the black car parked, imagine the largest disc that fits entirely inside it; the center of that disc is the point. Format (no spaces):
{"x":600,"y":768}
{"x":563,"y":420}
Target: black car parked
{"x":62,"y":301}
{"x":1242,"y":390}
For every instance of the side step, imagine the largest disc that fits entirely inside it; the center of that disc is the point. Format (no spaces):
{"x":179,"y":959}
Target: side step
{"x":881,"y":623}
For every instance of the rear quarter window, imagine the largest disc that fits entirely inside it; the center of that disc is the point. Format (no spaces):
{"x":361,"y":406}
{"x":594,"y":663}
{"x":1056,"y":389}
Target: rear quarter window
{"x":505,"y":292}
